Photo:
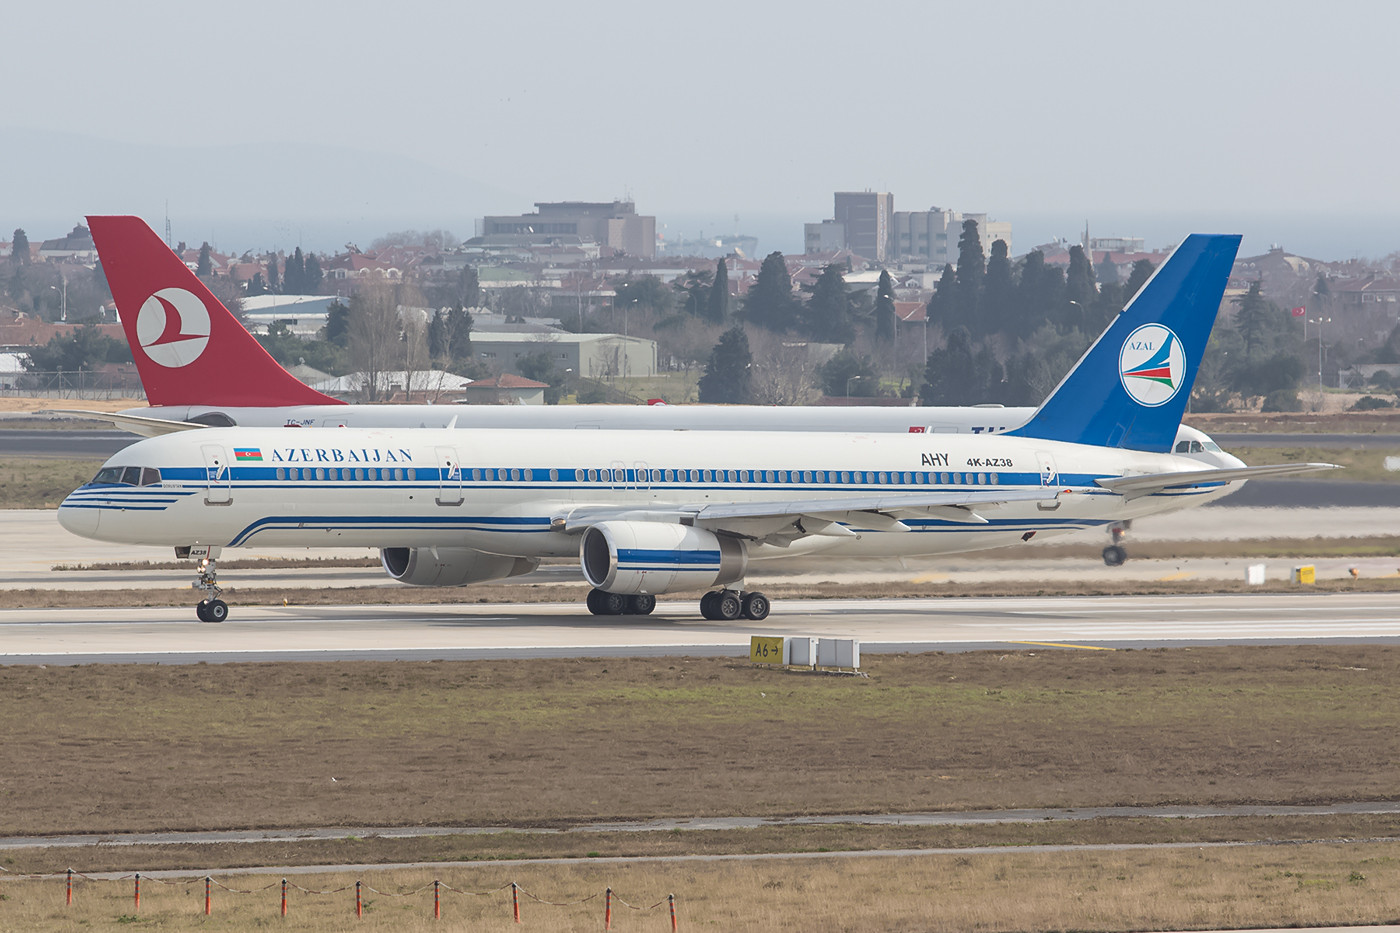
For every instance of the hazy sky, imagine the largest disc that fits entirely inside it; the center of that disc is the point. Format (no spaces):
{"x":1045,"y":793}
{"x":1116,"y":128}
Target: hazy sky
{"x":417,"y":111}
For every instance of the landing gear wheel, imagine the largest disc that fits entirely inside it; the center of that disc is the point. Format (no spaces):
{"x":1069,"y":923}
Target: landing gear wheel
{"x":641,"y":604}
{"x":756,"y":606}
{"x":1113,"y":555}
{"x":213,"y":610}
{"x":707,"y":605}
{"x":728,"y":606}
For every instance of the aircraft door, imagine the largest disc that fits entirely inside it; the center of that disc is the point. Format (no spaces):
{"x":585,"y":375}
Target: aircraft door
{"x":449,"y":477}
{"x":219,"y":484}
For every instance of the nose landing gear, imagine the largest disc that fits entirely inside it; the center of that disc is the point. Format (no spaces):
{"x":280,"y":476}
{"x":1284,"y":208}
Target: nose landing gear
{"x":211,"y":608}
{"x":1115,"y":554}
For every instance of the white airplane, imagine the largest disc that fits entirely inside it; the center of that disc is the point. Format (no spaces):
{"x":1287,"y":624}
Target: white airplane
{"x":200,"y":367}
{"x":652,"y":512}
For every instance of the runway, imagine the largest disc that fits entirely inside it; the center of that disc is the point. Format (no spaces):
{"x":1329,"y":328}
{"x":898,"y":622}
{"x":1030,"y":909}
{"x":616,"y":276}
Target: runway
{"x":172,"y":636}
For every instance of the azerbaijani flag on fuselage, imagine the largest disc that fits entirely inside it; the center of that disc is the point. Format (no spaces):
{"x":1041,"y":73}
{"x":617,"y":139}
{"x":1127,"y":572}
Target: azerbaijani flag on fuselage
{"x":242,"y":454}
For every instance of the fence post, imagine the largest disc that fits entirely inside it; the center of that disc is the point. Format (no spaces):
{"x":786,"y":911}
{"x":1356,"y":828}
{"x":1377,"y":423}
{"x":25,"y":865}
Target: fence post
{"x":137,"y":908}
{"x":515,"y":900}
{"x":607,"y":909}
{"x":437,"y":904}
{"x":284,"y":897}
{"x":359,"y":906}
{"x":70,"y":886}
{"x":672,"y":899}
{"x":207,"y":905}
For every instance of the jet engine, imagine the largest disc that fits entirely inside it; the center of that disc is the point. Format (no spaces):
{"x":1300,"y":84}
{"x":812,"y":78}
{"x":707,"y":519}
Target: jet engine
{"x":656,"y":557}
{"x":450,"y":566}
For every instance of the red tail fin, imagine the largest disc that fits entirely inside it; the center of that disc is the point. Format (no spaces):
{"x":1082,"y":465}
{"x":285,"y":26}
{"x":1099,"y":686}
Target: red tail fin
{"x":189,"y":349}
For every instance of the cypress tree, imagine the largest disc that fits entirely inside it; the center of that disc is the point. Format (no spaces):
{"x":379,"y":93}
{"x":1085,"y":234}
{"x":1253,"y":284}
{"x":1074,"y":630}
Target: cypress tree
{"x":717,"y":308}
{"x":728,"y":375}
{"x":884,"y":307}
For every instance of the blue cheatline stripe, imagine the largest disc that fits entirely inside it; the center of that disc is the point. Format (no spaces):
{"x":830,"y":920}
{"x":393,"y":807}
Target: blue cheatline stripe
{"x":517,"y":524}
{"x":652,"y":555}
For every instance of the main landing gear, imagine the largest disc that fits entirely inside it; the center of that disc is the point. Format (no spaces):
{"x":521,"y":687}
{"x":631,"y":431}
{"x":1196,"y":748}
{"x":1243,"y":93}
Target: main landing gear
{"x":620,"y":604}
{"x":211,"y":608}
{"x":727,"y":605}
{"x":1115,"y":553}
{"x":722,"y":605}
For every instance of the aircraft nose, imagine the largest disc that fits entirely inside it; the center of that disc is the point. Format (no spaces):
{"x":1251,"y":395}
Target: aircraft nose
{"x":79,"y":520}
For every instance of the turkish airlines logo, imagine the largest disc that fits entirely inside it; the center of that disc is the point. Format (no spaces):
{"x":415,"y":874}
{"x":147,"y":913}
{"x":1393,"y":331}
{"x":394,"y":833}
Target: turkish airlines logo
{"x":1151,"y":365}
{"x":173,"y":327}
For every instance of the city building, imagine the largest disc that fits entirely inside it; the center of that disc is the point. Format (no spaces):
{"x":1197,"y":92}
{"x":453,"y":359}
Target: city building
{"x":615,"y":224}
{"x":932,"y":236}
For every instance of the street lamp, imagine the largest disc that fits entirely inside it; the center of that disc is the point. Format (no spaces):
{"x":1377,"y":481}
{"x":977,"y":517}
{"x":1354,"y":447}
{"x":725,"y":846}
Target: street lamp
{"x":1319,"y":321}
{"x":64,"y":313}
{"x":848,"y":388}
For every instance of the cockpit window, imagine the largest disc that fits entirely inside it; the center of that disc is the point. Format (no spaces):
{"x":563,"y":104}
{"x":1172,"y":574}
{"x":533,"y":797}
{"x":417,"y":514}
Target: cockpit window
{"x":127,"y":476}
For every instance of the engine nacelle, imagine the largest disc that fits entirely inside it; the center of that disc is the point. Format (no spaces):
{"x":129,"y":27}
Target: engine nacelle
{"x":450,"y":566}
{"x":656,"y":557}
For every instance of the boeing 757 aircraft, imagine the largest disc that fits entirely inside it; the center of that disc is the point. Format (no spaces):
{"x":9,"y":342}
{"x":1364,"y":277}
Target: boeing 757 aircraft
{"x":653,"y":512}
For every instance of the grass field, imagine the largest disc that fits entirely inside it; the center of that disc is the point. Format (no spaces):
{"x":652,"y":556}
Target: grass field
{"x":1308,"y":885}
{"x":549,"y":742}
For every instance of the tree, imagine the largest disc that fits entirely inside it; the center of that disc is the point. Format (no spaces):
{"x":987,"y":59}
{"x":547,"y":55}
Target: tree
{"x":19,"y":248}
{"x":1252,"y":318}
{"x":1137,"y":278}
{"x":468,"y":288}
{"x":717,"y":306}
{"x":205,"y":267}
{"x":828,"y":311}
{"x":770,"y":303}
{"x":972,"y":269}
{"x":375,"y":331}
{"x":312,"y":278}
{"x":884,"y":307}
{"x":1080,"y":290}
{"x":85,"y":348}
{"x":727,"y":378}
{"x":294,"y":274}
{"x":998,"y":291}
{"x":337,"y":329}
{"x":943,"y":304}
{"x":949,"y":377}
{"x":539,"y":366}
{"x":848,"y":373}
{"x":695,"y":286}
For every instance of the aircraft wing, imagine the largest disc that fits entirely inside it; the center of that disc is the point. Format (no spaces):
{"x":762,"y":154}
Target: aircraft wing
{"x":1148,"y":483}
{"x":136,"y":424}
{"x":786,"y":520}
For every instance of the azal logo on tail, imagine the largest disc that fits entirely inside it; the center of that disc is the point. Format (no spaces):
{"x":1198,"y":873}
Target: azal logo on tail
{"x":1151,"y":364}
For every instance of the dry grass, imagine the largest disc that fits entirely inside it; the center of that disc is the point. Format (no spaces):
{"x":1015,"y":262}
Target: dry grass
{"x":41,"y":483}
{"x":1309,"y":885}
{"x":543,"y":742}
{"x":579,"y":844}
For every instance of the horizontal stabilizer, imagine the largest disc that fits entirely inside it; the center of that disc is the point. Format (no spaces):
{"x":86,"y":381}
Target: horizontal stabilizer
{"x":1148,"y":483}
{"x":136,"y":424}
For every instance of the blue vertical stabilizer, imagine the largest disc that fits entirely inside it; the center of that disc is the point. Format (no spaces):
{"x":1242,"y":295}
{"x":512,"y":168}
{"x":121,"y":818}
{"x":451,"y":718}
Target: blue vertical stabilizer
{"x":1131,"y":387}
